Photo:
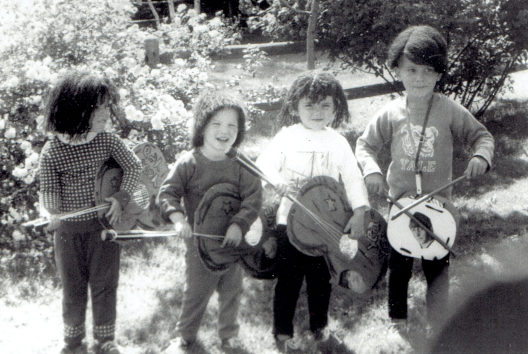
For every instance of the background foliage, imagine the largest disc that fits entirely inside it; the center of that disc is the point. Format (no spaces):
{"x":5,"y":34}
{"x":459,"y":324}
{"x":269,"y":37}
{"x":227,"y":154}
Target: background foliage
{"x":486,"y":37}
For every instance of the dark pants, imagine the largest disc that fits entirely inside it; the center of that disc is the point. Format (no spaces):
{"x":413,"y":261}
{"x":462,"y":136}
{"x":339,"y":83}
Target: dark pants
{"x":84,"y":259}
{"x":437,"y":275}
{"x":293,"y":267}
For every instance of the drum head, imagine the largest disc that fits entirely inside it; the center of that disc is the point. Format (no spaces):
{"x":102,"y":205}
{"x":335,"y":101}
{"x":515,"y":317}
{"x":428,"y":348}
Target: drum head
{"x":108,"y":182}
{"x":154,"y":170}
{"x":409,"y":239}
{"x":326,"y":198}
{"x":256,"y":263}
{"x":213,"y":217}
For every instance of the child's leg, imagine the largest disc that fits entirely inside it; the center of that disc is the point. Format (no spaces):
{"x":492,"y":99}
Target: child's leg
{"x":319,"y":289}
{"x":229,"y":291}
{"x":437,"y":275}
{"x":290,"y":275}
{"x":200,"y":284}
{"x":400,"y":271}
{"x":104,"y":278}
{"x":71,"y":264}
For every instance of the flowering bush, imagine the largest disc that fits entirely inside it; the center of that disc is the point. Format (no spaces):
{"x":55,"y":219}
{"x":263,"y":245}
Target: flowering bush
{"x":41,"y":39}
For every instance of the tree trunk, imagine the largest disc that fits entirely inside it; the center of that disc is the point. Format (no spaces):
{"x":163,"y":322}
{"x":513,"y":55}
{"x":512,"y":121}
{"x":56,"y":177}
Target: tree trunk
{"x":310,"y":36}
{"x":197,"y":6}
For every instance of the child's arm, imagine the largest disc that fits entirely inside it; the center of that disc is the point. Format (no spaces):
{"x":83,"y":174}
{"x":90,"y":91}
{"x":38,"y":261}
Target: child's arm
{"x":377,"y":133}
{"x":50,"y":189}
{"x":251,"y":195}
{"x":356,"y":224}
{"x":172,"y":191}
{"x":181,"y":225}
{"x":473,"y":133}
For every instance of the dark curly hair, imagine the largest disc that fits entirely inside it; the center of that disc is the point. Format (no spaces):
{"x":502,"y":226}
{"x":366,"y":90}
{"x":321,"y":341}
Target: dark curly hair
{"x":315,"y":86}
{"x":210,"y":101}
{"x":72,"y":101}
{"x":423,"y":45}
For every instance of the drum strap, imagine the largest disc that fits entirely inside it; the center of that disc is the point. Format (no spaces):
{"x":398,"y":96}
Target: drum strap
{"x":417,"y":170}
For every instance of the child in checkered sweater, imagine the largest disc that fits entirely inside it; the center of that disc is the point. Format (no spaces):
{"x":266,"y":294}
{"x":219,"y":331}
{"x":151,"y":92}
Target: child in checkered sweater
{"x":78,"y":111}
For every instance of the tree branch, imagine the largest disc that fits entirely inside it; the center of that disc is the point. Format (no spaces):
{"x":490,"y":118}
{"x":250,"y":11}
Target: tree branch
{"x":293,"y":8}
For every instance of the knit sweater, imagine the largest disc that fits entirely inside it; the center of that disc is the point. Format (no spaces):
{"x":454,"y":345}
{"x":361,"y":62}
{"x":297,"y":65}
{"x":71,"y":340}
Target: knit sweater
{"x":68,"y":172}
{"x":401,"y":126}
{"x":193,"y":175}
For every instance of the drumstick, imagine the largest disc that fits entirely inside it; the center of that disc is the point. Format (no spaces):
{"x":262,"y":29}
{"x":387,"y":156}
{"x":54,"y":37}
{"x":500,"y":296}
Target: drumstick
{"x":433,"y":235}
{"x":247,"y":163}
{"x":424,"y":198}
{"x":113,"y":235}
{"x":140,"y":197}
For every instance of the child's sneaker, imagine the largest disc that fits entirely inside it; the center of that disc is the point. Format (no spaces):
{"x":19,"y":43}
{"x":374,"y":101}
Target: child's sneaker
{"x":179,"y":346}
{"x":77,"y":349}
{"x":399,"y":325}
{"x":108,"y":347}
{"x":232,"y":345}
{"x":287,"y":345}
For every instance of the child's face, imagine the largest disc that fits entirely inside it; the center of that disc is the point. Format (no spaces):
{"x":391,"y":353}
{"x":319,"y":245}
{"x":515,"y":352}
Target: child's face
{"x":220,"y":133}
{"x":419,"y":80}
{"x":316,"y":116}
{"x":100,"y":117}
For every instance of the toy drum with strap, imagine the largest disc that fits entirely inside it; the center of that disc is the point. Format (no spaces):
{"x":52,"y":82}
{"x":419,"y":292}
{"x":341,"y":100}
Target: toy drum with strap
{"x":317,"y":230}
{"x":408,"y":238}
{"x":108,"y":182}
{"x":213,"y":217}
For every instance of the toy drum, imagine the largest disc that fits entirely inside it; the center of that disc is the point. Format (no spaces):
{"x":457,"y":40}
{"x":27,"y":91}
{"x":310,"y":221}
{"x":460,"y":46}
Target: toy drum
{"x":315,"y":228}
{"x":107,"y":182}
{"x":213,"y":217}
{"x":408,"y":238}
{"x":256,"y":263}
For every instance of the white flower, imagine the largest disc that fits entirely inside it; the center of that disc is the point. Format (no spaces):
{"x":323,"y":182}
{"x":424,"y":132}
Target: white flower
{"x":17,"y":235}
{"x":2,"y":124}
{"x":10,"y":133}
{"x":35,"y":99}
{"x":214,"y":33}
{"x":156,"y":122}
{"x":133,"y":114}
{"x":180,"y":62}
{"x":110,"y":73}
{"x":13,"y":82}
{"x":200,"y":29}
{"x":123,"y":92}
{"x":25,"y":145}
{"x":20,"y":172}
{"x":216,"y":22}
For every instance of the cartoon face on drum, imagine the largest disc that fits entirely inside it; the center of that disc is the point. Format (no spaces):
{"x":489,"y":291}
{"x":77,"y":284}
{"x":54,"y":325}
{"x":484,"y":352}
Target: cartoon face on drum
{"x":419,"y":233}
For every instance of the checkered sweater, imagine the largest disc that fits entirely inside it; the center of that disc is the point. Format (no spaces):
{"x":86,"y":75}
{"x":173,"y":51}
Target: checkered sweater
{"x":67,"y":173}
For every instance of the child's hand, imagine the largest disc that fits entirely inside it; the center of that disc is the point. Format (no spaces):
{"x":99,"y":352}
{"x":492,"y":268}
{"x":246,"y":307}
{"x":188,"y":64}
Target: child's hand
{"x":356,"y":224}
{"x":53,"y":224}
{"x":181,"y":225}
{"x":375,"y":183}
{"x":477,"y":166}
{"x":233,"y":236}
{"x":282,"y":189}
{"x":270,"y":247}
{"x":114,"y":214}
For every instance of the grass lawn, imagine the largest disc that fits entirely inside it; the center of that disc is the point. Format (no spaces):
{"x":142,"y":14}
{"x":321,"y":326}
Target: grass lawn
{"x":492,"y":241}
